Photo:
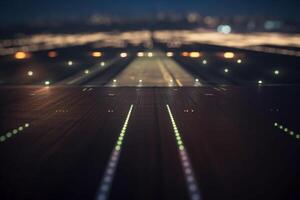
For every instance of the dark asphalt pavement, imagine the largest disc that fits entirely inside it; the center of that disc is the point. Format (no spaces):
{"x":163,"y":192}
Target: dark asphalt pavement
{"x":61,"y":140}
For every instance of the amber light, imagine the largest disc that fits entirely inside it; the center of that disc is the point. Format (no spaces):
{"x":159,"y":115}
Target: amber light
{"x":96,"y":54}
{"x":20,"y":55}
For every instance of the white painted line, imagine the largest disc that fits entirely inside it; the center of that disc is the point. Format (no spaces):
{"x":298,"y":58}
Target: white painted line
{"x":191,"y":183}
{"x":105,"y":186}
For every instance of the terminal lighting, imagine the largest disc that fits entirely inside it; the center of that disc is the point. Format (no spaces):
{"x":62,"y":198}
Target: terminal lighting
{"x":276,"y":72}
{"x":170,"y":54}
{"x":195,"y":54}
{"x":96,"y":54}
{"x":123,"y":55}
{"x":30,"y":73}
{"x":228,"y":55}
{"x":20,"y":55}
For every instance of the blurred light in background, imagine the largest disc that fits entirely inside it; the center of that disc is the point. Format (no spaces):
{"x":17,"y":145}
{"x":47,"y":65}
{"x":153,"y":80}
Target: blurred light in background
{"x":70,"y":63}
{"x":47,"y":82}
{"x":276,"y":72}
{"x":123,"y":55}
{"x":30,"y":73}
{"x":170,"y":54}
{"x":185,"y":54}
{"x":52,"y":54}
{"x":226,"y":29}
{"x":96,"y":54}
{"x":228,"y":55}
{"x":20,"y":55}
{"x":140,"y":54}
{"x":239,"y":61}
{"x":195,"y":54}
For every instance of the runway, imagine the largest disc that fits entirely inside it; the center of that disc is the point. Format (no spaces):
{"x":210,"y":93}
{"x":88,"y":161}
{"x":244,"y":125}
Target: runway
{"x":232,"y":136}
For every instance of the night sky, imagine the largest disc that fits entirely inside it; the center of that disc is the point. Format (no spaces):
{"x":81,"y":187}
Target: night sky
{"x":22,"y":10}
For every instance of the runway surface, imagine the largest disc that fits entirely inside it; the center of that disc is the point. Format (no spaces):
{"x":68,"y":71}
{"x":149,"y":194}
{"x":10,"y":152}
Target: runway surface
{"x":149,"y":143}
{"x":153,"y":69}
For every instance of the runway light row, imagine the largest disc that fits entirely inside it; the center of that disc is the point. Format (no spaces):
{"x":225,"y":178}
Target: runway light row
{"x":189,"y":176}
{"x":106,"y":182}
{"x":287,"y":131}
{"x":13,"y":132}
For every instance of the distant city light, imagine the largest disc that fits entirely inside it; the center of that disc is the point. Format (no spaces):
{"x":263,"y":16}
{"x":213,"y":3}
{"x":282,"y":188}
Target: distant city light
{"x":170,"y":54}
{"x":47,"y":82}
{"x":20,"y":55}
{"x":276,"y":72}
{"x":239,"y":61}
{"x":52,"y":54}
{"x":86,"y":71}
{"x":123,"y":55}
{"x":228,"y":55}
{"x":195,"y":54}
{"x":226,"y":29}
{"x":70,"y":63}
{"x":30,"y":73}
{"x":96,"y":54}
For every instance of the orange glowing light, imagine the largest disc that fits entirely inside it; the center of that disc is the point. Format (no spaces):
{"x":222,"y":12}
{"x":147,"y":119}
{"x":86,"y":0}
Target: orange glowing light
{"x":185,"y":54}
{"x":52,"y":54}
{"x":228,"y":55}
{"x":20,"y":55}
{"x":195,"y":54}
{"x":96,"y":54}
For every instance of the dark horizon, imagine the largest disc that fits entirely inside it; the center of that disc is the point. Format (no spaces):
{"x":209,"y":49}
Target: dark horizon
{"x":15,"y":11}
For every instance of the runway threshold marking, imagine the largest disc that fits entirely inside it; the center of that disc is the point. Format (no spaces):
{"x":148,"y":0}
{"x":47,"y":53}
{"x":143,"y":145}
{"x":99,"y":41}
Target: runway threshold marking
{"x":13,"y":132}
{"x":106,"y":182}
{"x":192,"y":186}
{"x":287,"y":131}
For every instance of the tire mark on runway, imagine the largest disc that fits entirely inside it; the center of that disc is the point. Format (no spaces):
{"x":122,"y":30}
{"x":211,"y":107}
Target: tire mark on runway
{"x":105,"y":186}
{"x":188,"y":171}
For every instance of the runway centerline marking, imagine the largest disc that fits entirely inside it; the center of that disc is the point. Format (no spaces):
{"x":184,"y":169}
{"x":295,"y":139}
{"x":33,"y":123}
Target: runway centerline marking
{"x":191,"y":183}
{"x":106,"y":182}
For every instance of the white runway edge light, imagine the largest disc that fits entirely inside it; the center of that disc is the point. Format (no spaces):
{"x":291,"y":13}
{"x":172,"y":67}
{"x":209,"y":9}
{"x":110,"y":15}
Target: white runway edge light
{"x":105,"y":186}
{"x":188,"y":171}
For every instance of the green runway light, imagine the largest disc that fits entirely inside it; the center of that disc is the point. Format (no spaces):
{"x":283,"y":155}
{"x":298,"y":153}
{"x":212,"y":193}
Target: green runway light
{"x":281,"y":127}
{"x":286,"y":130}
{"x":15,"y":131}
{"x":21,"y":128}
{"x":2,"y":138}
{"x":8,"y":135}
